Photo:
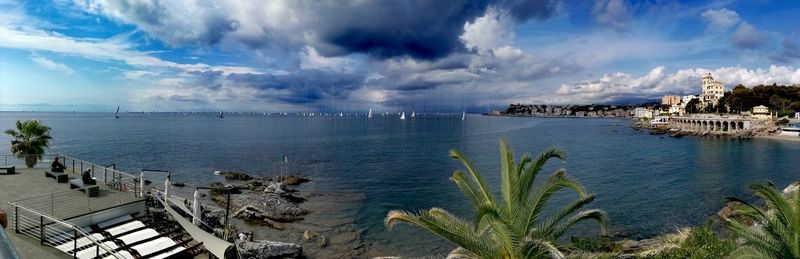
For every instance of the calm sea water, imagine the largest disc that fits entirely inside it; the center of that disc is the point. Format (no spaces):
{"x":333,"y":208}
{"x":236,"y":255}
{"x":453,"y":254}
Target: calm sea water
{"x":647,"y":184}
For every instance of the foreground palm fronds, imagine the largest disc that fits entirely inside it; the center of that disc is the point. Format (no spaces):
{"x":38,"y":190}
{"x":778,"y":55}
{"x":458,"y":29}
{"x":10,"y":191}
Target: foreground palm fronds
{"x":776,"y":232}
{"x":513,"y":225}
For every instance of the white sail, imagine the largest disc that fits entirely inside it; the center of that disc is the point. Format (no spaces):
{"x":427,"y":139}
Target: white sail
{"x":403,"y":116}
{"x":463,"y":114}
{"x":413,"y":114}
{"x":369,"y":114}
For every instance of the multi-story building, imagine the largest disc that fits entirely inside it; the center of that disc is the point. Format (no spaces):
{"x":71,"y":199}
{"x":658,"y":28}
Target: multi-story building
{"x":670,"y":100}
{"x":713,"y":90}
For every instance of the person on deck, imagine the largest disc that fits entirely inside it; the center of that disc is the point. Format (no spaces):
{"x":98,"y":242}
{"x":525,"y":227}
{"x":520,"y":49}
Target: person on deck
{"x":56,"y":166}
{"x":87,"y":178}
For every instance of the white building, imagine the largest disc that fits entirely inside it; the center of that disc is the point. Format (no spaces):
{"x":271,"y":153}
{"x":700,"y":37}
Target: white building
{"x":712,"y":91}
{"x":642,"y":112}
{"x":675,"y":109}
{"x":761,"y":112}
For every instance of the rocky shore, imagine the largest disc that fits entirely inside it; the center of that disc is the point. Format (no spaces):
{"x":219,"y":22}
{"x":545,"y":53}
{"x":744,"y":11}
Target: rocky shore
{"x":285,"y":220}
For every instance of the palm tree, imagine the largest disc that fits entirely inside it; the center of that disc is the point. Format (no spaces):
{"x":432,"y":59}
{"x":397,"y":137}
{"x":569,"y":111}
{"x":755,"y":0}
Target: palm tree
{"x":30,"y":140}
{"x":776,"y":233}
{"x":513,"y":226}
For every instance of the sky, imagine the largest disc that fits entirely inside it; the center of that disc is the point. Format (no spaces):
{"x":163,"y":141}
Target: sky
{"x":351,"y":55}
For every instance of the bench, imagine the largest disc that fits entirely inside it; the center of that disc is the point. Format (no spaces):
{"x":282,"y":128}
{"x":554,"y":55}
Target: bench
{"x":90,"y":190}
{"x":9,"y":169}
{"x":60,"y":177}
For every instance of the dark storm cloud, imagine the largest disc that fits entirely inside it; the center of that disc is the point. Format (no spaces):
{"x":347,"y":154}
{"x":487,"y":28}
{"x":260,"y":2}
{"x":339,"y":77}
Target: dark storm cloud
{"x":303,"y":86}
{"x":422,"y":29}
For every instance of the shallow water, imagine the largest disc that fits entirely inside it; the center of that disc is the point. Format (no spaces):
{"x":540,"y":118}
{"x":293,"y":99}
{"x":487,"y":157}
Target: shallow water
{"x":647,"y":184}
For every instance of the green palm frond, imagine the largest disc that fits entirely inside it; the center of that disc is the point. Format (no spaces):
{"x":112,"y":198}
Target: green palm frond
{"x":776,"y":233}
{"x":512,"y":227}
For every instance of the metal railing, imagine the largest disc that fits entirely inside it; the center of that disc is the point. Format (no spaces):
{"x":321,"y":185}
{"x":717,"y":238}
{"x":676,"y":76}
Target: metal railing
{"x":54,"y":232}
{"x":107,"y":174}
{"x":43,"y":217}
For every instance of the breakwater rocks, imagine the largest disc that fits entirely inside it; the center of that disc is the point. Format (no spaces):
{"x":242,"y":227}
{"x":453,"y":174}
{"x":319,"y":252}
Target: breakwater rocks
{"x":281,"y":208}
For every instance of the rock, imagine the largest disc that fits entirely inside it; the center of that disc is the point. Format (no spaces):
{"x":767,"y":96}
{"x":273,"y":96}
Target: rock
{"x":276,"y":188}
{"x":292,"y":180}
{"x":791,"y":190}
{"x":236,"y":176}
{"x":269,"y":249}
{"x":254,"y":185}
{"x":257,"y":206}
{"x":178,"y":184}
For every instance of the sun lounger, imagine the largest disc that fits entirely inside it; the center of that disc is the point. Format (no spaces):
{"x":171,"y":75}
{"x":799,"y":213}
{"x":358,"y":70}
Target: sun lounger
{"x":154,"y":246}
{"x":91,"y":252}
{"x":138,"y":235}
{"x":114,"y":231}
{"x":122,"y":254}
{"x":68,"y":246}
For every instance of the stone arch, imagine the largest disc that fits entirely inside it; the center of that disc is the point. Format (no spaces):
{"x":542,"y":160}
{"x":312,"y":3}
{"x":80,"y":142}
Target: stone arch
{"x":725,"y":126}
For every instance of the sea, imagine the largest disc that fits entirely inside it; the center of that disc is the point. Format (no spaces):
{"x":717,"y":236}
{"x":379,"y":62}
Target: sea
{"x":647,"y":184}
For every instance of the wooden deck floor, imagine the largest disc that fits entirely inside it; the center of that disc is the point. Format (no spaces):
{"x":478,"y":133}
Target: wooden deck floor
{"x":32,"y":189}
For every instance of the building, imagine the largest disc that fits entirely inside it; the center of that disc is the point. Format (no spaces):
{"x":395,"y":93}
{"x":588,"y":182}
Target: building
{"x":713,"y":90}
{"x":797,"y":115}
{"x":643,"y":113}
{"x":761,"y":112}
{"x":670,"y":100}
{"x":675,"y":109}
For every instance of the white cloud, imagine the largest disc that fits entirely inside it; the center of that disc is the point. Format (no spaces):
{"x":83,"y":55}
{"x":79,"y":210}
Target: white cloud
{"x":311,"y":59}
{"x":747,"y":36}
{"x":492,"y":30}
{"x":658,"y":82}
{"x":719,"y":20}
{"x":112,"y":49}
{"x":51,"y":65}
{"x":612,"y":13}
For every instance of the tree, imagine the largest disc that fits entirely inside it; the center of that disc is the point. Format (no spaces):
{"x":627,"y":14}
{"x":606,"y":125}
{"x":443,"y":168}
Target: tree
{"x":693,"y":106}
{"x":513,"y":226}
{"x":776,"y":233}
{"x":29,"y":141}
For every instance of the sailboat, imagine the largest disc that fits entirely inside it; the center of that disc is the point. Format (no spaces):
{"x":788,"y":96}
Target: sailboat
{"x":369,"y":114}
{"x":463,"y":114}
{"x":116,"y":114}
{"x":413,"y":114}
{"x":220,"y":115}
{"x":403,"y":116}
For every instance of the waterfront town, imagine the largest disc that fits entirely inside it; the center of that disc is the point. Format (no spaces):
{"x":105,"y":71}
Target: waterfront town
{"x":714,"y":111}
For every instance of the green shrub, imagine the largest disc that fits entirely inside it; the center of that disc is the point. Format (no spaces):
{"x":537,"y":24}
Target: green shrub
{"x":701,"y":243}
